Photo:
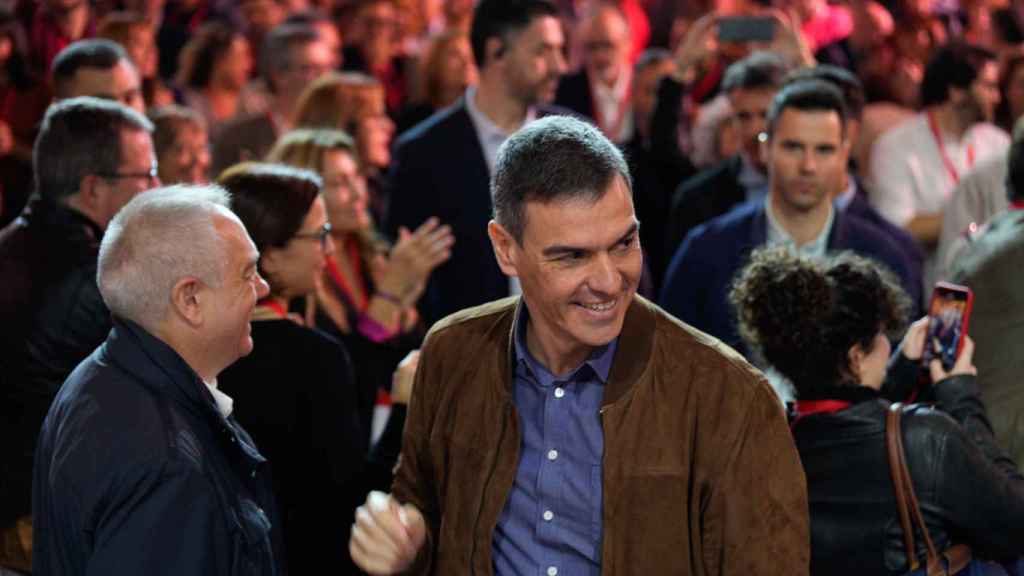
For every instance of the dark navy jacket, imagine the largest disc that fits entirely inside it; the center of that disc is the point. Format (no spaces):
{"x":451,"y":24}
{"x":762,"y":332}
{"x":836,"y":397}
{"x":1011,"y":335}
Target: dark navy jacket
{"x":439,"y":170}
{"x":697,"y":284}
{"x":137,"y":472}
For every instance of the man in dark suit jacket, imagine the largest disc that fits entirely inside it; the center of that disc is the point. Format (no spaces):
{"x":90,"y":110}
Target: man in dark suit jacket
{"x":442,"y":167}
{"x":806,"y":151}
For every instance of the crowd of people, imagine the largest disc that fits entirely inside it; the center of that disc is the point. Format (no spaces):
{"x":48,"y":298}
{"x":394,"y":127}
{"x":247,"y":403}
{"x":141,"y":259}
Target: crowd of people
{"x":667,"y":265}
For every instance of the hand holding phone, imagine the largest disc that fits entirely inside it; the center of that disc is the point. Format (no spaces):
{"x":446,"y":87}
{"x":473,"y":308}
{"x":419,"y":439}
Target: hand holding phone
{"x":949,"y":314}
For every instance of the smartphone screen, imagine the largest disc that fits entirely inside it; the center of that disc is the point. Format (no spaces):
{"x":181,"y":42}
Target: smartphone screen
{"x":746,"y":29}
{"x":948,"y":315}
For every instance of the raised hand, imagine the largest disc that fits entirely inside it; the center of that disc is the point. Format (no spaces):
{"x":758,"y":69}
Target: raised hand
{"x":413,"y":258}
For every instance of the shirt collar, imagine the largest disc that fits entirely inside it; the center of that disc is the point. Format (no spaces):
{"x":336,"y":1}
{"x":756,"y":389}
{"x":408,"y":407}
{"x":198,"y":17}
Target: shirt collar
{"x":778,"y":235}
{"x":484,"y":126}
{"x":225,"y":403}
{"x":753,"y":181}
{"x":843,"y":200}
{"x":599,"y":361}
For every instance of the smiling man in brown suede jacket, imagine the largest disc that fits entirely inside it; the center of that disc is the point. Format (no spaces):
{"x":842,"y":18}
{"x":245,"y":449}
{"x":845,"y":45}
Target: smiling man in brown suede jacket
{"x":579,"y":429}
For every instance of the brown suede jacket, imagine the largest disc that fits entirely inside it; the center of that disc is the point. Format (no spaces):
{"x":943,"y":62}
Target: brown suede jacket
{"x":700,"y":472}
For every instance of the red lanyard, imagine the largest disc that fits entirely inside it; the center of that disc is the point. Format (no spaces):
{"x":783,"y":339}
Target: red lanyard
{"x":808,"y":407}
{"x":1017,"y":205}
{"x":339,"y":280}
{"x":275,"y":306}
{"x":942,"y":150}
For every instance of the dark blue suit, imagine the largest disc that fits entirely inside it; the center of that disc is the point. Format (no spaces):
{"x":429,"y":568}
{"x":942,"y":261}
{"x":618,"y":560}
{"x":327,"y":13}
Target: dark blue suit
{"x":439,"y":170}
{"x":902,"y":239}
{"x":697,"y":285}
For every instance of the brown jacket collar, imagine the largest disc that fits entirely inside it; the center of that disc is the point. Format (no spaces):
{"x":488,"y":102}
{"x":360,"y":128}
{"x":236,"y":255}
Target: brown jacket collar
{"x":631,"y":357}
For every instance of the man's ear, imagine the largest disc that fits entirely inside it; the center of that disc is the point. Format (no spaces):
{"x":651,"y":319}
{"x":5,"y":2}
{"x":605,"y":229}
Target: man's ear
{"x":186,"y":300}
{"x":855,"y":356}
{"x":505,"y":247}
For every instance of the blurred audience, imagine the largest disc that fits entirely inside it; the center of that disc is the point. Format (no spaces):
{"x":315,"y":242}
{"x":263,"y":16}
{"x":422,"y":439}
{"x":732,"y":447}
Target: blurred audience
{"x":294,"y":55}
{"x":916,"y":166}
{"x":55,"y":25}
{"x":181,"y":145}
{"x":214,"y":67}
{"x":138,"y":38}
{"x":354,"y":103}
{"x":446,"y":70}
{"x":98,"y":68}
{"x":373,"y":48}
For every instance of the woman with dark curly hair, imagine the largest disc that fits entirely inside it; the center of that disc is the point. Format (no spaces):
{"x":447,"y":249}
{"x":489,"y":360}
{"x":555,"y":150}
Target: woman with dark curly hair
{"x":824,"y":325}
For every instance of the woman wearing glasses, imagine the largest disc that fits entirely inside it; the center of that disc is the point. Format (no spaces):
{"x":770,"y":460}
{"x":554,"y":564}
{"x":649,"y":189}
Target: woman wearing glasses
{"x":369,"y":289}
{"x":295,"y":392}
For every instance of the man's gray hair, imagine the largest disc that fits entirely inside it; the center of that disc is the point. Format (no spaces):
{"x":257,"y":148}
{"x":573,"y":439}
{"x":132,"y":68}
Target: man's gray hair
{"x":78,"y":137}
{"x":158,"y":238}
{"x":556,"y":158}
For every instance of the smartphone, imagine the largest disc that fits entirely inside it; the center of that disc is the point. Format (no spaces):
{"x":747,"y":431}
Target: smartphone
{"x":948,"y":316}
{"x":746,"y":29}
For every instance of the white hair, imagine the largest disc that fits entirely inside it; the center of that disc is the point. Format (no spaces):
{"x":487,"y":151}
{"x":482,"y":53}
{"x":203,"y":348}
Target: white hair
{"x":158,"y":238}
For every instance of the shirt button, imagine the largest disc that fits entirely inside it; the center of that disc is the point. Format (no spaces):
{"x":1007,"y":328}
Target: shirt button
{"x":549,"y":515}
{"x":552,"y":454}
{"x":552,"y":571}
{"x":559,"y":392}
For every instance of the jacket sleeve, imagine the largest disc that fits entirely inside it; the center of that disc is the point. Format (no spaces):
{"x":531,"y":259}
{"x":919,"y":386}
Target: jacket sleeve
{"x":412,"y":199}
{"x":978,"y":483}
{"x":415,"y":476}
{"x":755,"y":520}
{"x":164,"y":522}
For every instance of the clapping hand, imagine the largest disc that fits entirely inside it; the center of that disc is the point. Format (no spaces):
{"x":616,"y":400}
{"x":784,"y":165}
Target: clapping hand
{"x":416,"y":254}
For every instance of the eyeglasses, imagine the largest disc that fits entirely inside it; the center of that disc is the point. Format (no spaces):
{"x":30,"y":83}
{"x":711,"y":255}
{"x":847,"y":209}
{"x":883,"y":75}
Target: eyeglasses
{"x":322,"y":234}
{"x":149,"y":176}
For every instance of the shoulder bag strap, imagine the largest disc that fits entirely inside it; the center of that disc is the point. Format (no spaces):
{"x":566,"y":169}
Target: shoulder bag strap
{"x":897,"y":467}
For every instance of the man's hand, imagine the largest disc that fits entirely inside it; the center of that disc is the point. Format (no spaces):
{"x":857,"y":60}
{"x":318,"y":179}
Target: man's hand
{"x":699,"y":44}
{"x":789,"y":41}
{"x":386,"y":536}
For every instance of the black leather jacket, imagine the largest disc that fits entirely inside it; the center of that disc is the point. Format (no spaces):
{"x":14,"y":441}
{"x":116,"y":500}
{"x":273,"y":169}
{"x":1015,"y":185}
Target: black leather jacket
{"x":51,"y":318}
{"x":969,"y":490}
